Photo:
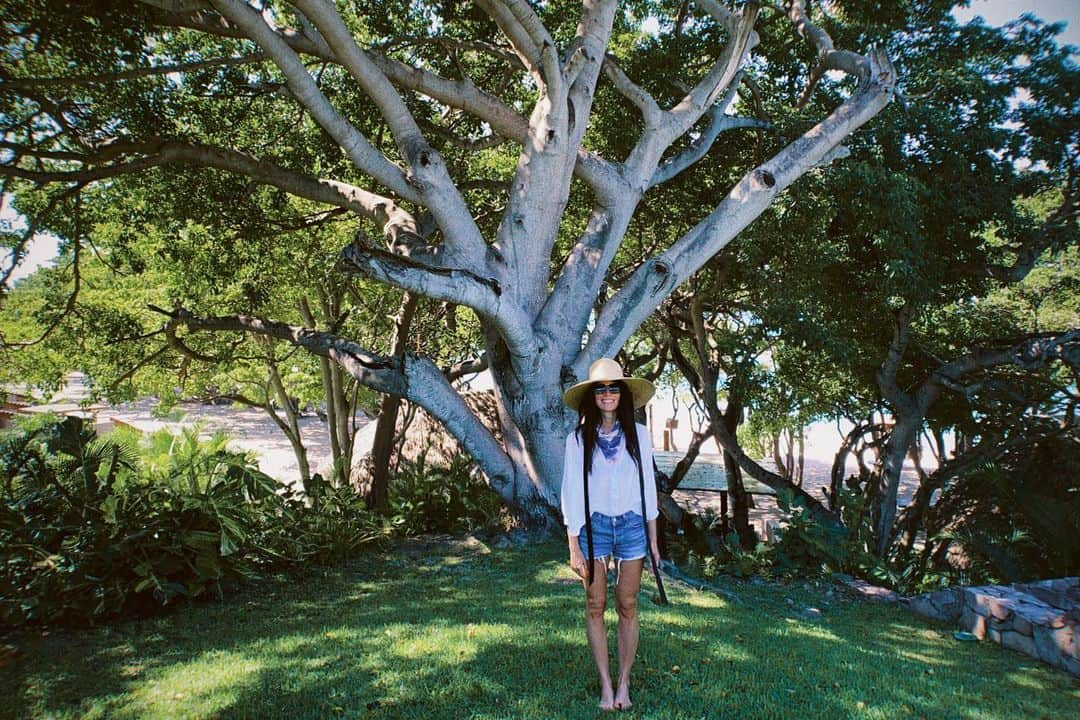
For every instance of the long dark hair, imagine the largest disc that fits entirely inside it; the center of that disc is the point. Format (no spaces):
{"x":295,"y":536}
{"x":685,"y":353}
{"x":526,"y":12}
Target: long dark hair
{"x":589,"y":420}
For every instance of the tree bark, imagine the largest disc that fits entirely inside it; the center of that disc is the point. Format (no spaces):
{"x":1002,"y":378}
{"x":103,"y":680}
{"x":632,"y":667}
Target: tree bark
{"x":386,"y":424}
{"x":740,"y":499}
{"x":291,"y":425}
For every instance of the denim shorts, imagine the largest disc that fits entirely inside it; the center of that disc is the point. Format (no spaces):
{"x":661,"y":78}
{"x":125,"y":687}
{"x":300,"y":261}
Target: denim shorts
{"x":622,"y":536}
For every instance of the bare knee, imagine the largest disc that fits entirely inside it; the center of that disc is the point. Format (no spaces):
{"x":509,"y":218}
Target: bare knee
{"x":627,"y":607}
{"x":595,"y":606}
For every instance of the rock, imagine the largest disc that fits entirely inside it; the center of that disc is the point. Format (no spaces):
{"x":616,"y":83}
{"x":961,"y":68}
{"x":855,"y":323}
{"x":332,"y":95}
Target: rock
{"x":1054,"y":644}
{"x":1023,"y":626}
{"x":1019,"y":642}
{"x":1057,"y":592}
{"x":872,"y":592}
{"x":973,"y":623}
{"x":991,"y":601}
{"x":1021,"y":620}
{"x":943,"y":605}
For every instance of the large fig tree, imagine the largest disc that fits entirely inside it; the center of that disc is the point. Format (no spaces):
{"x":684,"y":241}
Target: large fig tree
{"x":493,"y":155}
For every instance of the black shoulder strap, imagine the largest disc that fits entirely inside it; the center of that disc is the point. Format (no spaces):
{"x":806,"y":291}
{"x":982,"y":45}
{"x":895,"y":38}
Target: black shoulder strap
{"x":645,"y":523}
{"x":588,"y":513}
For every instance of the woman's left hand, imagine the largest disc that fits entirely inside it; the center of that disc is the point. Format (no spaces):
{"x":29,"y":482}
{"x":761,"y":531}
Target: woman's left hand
{"x":655,"y":554}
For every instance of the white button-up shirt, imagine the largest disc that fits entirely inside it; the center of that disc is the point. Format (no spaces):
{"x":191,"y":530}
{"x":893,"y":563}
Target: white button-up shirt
{"x":613,"y":484}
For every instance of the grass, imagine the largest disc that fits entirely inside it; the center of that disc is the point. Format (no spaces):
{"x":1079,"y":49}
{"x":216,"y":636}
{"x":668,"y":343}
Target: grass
{"x":458,"y":634}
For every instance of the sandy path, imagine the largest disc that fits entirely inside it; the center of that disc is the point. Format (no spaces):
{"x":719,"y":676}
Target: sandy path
{"x":248,"y":429}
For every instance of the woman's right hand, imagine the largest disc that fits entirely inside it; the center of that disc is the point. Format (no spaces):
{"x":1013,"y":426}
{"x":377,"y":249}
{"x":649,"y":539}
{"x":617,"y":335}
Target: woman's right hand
{"x":577,"y":562}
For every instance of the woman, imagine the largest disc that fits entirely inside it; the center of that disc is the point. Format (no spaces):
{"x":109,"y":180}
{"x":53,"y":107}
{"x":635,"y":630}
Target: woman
{"x":603,"y":515}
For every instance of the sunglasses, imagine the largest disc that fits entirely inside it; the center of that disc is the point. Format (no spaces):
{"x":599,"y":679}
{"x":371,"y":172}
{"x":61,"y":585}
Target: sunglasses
{"x":606,"y":389}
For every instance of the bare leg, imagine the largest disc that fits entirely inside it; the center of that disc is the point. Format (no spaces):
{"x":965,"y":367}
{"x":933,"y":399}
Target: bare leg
{"x":626,"y":597}
{"x":595,"y":602}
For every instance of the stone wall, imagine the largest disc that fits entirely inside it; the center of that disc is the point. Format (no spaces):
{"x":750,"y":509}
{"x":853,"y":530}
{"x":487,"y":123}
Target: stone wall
{"x":1041,"y":619}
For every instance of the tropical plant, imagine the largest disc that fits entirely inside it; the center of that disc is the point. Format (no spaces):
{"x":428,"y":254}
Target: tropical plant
{"x":453,"y":499}
{"x":94,"y":527}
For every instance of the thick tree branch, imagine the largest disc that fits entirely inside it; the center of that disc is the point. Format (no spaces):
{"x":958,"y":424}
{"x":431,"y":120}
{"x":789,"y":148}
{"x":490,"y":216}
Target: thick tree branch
{"x":642,"y":100}
{"x":719,"y":122}
{"x":460,"y":94}
{"x":541,"y":184}
{"x":722,"y":77}
{"x":414,"y":378}
{"x":17,"y":83}
{"x":359,"y":150}
{"x":522,"y":28}
{"x":458,"y":285}
{"x":829,"y":58}
{"x":654,"y":280}
{"x":467,"y":367}
{"x":428,"y":172}
{"x":886,"y":374}
{"x":777,"y":482}
{"x":398,"y":226}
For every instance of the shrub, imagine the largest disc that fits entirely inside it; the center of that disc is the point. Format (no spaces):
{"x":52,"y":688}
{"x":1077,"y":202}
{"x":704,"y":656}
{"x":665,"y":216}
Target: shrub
{"x":700,"y":549}
{"x":455,"y":499}
{"x":809,"y":544}
{"x":335,"y":529}
{"x":95,"y":527}
{"x":1016,"y":518}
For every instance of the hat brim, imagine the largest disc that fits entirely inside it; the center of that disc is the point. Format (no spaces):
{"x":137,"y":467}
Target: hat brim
{"x":641,"y":390}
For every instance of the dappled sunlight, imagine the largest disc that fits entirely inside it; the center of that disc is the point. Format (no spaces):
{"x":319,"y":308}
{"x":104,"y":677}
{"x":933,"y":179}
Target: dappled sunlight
{"x":212,"y":682}
{"x":924,"y":658}
{"x":497,"y":637}
{"x":812,"y":631}
{"x":451,"y":646}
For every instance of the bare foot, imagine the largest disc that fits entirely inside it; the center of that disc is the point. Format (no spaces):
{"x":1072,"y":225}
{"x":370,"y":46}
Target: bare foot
{"x":622,"y":700}
{"x":606,"y":701}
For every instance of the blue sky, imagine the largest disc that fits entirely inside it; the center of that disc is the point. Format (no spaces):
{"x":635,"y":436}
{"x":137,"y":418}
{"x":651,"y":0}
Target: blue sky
{"x":999,"y":12}
{"x":994,"y":12}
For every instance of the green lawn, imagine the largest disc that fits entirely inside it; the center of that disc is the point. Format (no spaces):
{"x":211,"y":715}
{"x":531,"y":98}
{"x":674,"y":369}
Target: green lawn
{"x":455,"y":634}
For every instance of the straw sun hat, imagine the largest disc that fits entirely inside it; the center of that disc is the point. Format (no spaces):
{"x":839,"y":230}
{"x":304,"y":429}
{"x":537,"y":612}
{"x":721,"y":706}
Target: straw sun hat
{"x":606,"y":370}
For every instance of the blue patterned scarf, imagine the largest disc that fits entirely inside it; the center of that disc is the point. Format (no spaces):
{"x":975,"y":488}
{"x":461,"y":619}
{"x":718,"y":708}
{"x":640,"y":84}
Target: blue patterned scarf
{"x":609,"y":443}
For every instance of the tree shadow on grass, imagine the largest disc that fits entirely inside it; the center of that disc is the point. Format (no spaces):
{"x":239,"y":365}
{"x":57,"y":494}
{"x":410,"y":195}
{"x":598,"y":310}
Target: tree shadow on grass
{"x":501,"y":636}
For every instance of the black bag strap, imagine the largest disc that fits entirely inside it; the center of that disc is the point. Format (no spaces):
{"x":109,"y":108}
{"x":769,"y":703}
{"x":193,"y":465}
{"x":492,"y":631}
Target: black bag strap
{"x":645,"y":524}
{"x":588,"y":514}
